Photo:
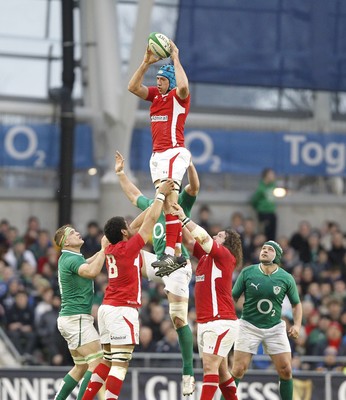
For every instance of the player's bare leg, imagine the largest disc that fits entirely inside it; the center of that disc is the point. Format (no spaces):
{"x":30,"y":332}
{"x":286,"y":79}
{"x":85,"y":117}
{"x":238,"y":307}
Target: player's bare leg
{"x":178,"y":309}
{"x":169,"y":262}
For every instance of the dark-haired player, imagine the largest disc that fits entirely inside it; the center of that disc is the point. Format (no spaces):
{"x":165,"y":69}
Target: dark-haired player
{"x":118,"y":314}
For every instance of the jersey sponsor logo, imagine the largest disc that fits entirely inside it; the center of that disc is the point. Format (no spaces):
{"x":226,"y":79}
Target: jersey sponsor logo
{"x":276,"y":289}
{"x":159,"y":118}
{"x":200,"y":278}
{"x":255,"y":286}
{"x":118,"y":337}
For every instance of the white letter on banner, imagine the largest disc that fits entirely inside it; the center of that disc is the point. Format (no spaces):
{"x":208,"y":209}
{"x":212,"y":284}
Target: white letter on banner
{"x":46,"y":385}
{"x":294,"y":140}
{"x":335,"y":164}
{"x":256,"y":390}
{"x":308,"y":155}
{"x":32,"y":142}
{"x":342,"y":391}
{"x":150,"y":388}
{"x":207,"y":144}
{"x":208,"y":149}
{"x":270,"y":391}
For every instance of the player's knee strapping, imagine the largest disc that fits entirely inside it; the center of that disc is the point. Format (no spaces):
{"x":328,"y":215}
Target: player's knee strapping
{"x":79,"y":360}
{"x":107,"y":356}
{"x":122,"y":354}
{"x":177,"y":185}
{"x":92,"y":357}
{"x":178,"y":310}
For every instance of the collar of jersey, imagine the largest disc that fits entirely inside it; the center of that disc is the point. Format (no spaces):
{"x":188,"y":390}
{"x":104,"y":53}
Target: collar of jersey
{"x":72,"y":252}
{"x":274,"y":272}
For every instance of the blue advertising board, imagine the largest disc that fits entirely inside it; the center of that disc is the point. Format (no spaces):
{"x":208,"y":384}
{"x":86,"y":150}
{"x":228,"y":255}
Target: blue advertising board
{"x":38,"y":146}
{"x":247,"y":152}
{"x":272,"y":43}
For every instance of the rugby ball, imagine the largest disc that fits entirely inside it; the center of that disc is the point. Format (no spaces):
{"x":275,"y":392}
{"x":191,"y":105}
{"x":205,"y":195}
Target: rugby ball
{"x":159,"y":44}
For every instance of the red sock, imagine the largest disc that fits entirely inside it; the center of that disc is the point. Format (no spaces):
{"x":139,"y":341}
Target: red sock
{"x":229,"y":389}
{"x":113,"y":387}
{"x":96,"y":381}
{"x":173,"y":229}
{"x":179,"y":242}
{"x":210,"y":384}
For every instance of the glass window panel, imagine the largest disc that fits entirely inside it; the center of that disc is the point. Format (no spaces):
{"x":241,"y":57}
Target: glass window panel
{"x":23,"y":77}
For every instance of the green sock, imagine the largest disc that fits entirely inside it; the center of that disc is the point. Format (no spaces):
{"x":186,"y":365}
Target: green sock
{"x":66,"y":388}
{"x":286,"y":389}
{"x":84,"y":384}
{"x":236,"y":380}
{"x":186,"y":347}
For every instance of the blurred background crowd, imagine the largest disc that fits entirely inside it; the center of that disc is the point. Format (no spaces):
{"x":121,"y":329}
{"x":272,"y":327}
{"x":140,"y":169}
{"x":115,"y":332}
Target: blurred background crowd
{"x":30,"y":301}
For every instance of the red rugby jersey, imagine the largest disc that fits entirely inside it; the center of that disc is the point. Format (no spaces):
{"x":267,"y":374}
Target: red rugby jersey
{"x":168,"y":114}
{"x":213,"y":289}
{"x":123,"y":262}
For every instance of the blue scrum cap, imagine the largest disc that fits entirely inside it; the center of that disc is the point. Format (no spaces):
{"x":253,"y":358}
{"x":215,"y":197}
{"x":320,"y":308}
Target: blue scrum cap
{"x":168,"y":72}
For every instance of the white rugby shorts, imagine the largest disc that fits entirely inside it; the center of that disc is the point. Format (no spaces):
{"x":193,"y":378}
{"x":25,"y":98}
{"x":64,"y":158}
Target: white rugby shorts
{"x":118,"y":325}
{"x":217,"y":337}
{"x":176,"y":283}
{"x":77,"y":330}
{"x":274,"y":340}
{"x":171,"y":163}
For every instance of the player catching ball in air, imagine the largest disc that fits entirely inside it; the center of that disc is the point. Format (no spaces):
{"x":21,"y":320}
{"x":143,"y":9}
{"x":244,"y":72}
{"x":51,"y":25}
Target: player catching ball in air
{"x":170,"y":106}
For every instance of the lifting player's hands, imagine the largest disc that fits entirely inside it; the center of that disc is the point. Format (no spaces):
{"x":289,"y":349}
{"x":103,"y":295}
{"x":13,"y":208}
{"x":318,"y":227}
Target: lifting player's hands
{"x":166,"y":187}
{"x":178,"y":211}
{"x":293,"y":332}
{"x":104,"y":242}
{"x":150,"y":57}
{"x":174,"y":50}
{"x":119,"y":162}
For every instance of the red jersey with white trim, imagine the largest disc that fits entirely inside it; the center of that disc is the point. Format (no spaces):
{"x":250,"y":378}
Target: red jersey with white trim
{"x":123,"y":262}
{"x":213,"y":288}
{"x":168,"y":114}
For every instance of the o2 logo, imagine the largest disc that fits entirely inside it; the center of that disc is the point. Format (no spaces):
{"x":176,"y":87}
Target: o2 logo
{"x":28,"y":136}
{"x":207,"y":154}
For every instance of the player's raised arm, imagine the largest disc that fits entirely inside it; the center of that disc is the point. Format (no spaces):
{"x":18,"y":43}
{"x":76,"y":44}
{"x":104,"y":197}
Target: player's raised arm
{"x":129,"y":188}
{"x":192,"y":188}
{"x":183,"y":90}
{"x":196,"y":231}
{"x":91,"y":269}
{"x":155,"y":210}
{"x":135,"y":85}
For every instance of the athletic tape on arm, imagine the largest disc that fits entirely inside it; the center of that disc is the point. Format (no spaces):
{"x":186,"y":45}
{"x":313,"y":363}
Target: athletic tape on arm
{"x":202,"y":238}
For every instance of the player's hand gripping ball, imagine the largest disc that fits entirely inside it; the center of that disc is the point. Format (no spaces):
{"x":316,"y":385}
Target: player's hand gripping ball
{"x":159,"y":44}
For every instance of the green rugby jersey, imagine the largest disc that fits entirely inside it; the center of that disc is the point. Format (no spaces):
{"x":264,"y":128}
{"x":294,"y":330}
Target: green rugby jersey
{"x":76,"y":292}
{"x":264,"y":294}
{"x":159,"y":232}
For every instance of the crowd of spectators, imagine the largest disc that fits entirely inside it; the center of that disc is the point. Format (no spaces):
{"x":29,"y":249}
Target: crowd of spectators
{"x":30,"y":301}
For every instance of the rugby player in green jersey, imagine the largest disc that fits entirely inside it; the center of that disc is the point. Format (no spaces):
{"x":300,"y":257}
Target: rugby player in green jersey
{"x":75,"y":322}
{"x":265,"y":286}
{"x":177,"y":283}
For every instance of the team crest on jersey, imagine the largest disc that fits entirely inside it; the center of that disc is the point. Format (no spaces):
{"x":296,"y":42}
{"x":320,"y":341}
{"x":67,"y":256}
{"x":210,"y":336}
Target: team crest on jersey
{"x":277,"y":289}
